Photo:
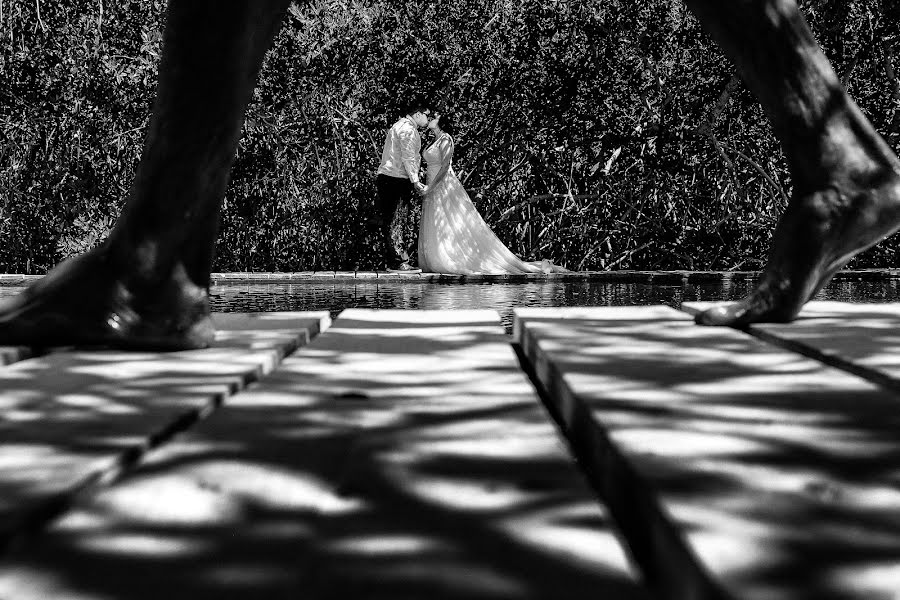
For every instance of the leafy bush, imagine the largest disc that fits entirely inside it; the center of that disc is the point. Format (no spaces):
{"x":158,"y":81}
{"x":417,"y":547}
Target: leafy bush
{"x":599,"y":135}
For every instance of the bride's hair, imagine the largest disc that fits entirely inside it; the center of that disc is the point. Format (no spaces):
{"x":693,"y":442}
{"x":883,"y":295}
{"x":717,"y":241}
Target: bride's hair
{"x":447,"y":123}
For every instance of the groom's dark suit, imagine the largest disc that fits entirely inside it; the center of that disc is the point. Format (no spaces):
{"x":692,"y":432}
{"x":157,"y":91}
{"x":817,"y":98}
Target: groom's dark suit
{"x":397,"y":174}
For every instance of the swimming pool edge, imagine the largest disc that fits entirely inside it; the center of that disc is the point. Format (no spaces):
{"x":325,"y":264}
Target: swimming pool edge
{"x":657,"y":277}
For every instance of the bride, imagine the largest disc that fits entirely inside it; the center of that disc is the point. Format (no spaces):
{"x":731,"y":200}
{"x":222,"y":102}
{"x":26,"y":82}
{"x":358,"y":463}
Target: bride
{"x":453,"y":238}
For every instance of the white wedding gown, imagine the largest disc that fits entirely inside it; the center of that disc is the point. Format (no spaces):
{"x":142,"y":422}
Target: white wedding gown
{"x":453,"y":238}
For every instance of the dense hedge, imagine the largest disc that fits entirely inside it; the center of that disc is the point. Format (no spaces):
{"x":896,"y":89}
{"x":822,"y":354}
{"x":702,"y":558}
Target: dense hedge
{"x":600,"y":135}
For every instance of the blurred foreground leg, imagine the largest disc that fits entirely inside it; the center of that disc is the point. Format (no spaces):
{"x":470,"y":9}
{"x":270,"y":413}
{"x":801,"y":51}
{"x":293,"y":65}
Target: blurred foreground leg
{"x":846,"y":194}
{"x":147,"y":285}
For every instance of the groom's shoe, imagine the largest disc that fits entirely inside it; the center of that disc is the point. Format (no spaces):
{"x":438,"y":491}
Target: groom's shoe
{"x":404,"y":267}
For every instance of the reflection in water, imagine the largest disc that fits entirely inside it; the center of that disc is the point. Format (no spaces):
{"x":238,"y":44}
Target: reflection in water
{"x":502,"y":297}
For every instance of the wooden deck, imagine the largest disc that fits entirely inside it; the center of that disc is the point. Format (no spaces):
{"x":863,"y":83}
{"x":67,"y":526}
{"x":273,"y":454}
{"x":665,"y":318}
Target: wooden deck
{"x":616,"y":453}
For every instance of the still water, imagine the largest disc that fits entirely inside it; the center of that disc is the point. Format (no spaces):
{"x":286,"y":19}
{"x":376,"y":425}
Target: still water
{"x":502,"y":297}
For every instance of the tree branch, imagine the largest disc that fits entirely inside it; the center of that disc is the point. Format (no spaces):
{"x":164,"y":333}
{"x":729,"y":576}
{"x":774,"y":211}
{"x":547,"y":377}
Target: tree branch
{"x":851,"y":66}
{"x":509,"y":211}
{"x":892,"y":79}
{"x":765,"y":175}
{"x":709,"y":127}
{"x":40,"y":22}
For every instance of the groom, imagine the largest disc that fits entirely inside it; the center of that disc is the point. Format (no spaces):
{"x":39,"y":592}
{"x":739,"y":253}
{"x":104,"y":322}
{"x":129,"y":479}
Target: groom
{"x":398,"y":177}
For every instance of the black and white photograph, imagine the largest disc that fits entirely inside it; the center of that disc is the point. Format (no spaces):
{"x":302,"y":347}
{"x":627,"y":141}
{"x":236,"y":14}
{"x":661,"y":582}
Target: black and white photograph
{"x":449,"y":299}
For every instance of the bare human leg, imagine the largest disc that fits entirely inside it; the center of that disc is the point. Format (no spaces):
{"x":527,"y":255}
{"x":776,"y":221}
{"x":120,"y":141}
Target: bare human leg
{"x":846,"y":195}
{"x":147,"y":285}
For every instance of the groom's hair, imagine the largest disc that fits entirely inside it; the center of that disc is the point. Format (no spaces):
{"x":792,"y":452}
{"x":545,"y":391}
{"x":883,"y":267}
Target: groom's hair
{"x":414,"y":107}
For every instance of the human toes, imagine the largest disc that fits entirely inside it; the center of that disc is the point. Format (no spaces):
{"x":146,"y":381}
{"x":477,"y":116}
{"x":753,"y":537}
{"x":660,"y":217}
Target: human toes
{"x":722,"y":315}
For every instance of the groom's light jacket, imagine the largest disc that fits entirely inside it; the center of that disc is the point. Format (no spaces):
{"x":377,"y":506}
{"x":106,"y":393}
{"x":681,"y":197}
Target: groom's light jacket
{"x":400,"y":157}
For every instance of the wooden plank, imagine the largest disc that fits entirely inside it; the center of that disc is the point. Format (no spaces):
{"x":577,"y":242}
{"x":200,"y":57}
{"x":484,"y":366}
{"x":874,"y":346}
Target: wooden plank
{"x":11,"y":354}
{"x":863,"y":339}
{"x":735,"y":469}
{"x":71,"y":418}
{"x":224,"y":321}
{"x":403,"y":454}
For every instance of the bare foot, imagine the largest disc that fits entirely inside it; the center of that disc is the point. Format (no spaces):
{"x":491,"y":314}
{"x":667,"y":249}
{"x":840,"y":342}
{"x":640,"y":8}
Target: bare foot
{"x":818,"y":234}
{"x":83,"y":302}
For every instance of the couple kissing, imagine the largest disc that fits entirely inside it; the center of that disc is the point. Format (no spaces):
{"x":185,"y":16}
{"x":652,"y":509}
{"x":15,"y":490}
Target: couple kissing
{"x":453,"y":237}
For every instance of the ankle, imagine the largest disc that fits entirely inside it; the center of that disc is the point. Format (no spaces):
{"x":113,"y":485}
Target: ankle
{"x":841,"y":149}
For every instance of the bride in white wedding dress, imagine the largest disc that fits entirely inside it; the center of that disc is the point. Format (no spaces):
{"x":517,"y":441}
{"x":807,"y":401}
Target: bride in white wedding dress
{"x":453,"y":238}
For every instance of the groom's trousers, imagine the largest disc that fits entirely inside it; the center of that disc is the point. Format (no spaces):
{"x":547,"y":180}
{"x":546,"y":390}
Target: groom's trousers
{"x":393,"y":195}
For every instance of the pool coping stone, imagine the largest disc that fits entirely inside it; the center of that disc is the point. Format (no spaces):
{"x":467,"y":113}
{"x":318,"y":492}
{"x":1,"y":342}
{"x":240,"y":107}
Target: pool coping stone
{"x":657,"y":277}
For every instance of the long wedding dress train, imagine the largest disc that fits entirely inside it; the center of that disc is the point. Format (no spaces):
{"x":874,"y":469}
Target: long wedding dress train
{"x":453,"y":238}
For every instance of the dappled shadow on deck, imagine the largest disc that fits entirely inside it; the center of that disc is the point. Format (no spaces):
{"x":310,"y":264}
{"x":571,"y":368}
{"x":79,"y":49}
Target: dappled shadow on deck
{"x":415,"y":464}
{"x":70,"y":418}
{"x":863,"y":339}
{"x":779,"y":473}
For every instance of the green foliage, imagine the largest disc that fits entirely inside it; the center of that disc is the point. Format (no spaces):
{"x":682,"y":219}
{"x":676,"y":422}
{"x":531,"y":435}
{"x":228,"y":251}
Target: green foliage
{"x":77,"y":83}
{"x":589,"y":133}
